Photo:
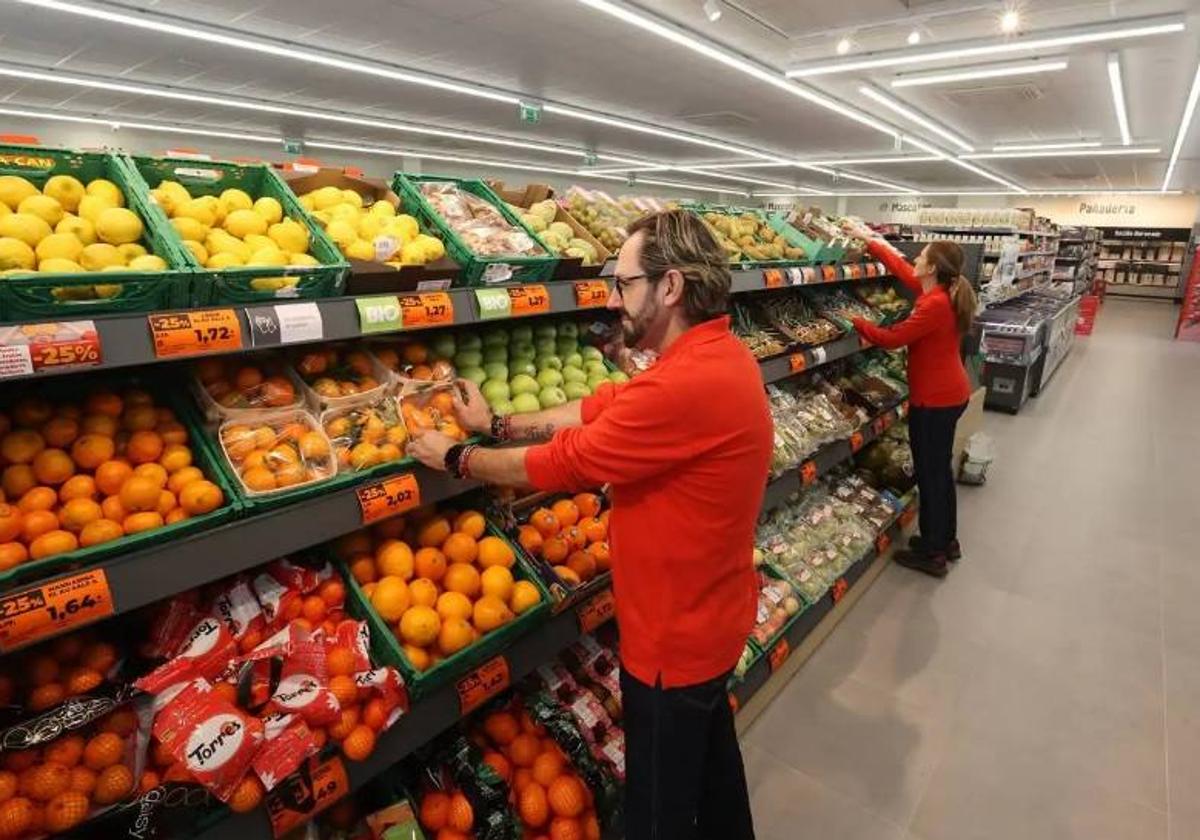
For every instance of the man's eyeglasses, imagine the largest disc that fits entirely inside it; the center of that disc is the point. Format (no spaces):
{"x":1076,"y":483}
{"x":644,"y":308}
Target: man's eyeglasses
{"x":623,"y":283}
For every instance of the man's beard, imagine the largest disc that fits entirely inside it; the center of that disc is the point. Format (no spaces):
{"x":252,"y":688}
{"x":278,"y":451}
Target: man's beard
{"x":634,"y":328}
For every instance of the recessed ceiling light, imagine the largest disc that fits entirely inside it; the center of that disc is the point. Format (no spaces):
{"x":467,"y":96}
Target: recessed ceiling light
{"x":1009,"y":21}
{"x":713,"y":10}
{"x":843,"y":46}
{"x":914,"y":37}
{"x":982,"y":71}
{"x":1118,"y":95}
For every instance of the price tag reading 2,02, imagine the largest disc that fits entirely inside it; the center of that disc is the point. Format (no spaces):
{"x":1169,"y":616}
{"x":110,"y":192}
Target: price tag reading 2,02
{"x":389,"y":497}
{"x":193,"y":333}
{"x":43,"y":611}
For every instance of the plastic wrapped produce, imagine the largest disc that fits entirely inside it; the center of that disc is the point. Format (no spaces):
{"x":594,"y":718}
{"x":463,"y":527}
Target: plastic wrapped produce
{"x":753,"y":330}
{"x":365,"y":436}
{"x":793,"y":317}
{"x":477,"y":222}
{"x":277,"y":451}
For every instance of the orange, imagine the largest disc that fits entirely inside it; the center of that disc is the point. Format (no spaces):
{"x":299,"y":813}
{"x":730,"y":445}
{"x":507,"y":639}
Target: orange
{"x":32,"y":411}
{"x":11,"y":520}
{"x":493,"y":551}
{"x":16,"y":817}
{"x":77,"y":487}
{"x":524,"y":750}
{"x":394,"y":557}
{"x":460,"y":816}
{"x":460,"y":548}
{"x":104,"y":750}
{"x":346,"y":722}
{"x":582,"y":564}
{"x":530,"y":539}
{"x":65,"y":811}
{"x":82,"y":781}
{"x":591,"y":826}
{"x":593,"y":529}
{"x":149,"y":781}
{"x":423,"y":592}
{"x":545,"y":521}
{"x":497,"y":581}
{"x":566,"y":796}
{"x":175,"y":515}
{"x":181,"y":478}
{"x":154,"y":472}
{"x":104,"y":402}
{"x":588,"y":504}
{"x":360,"y":743}
{"x":362,"y":568}
{"x":417,"y":657}
{"x":110,"y":475}
{"x":314,"y":609}
{"x":21,"y":446}
{"x":173,"y":433}
{"x":343,"y":689}
{"x":433,"y":532}
{"x":524,"y":597}
{"x":51,"y":543}
{"x":471,"y":523}
{"x":501,"y":727}
{"x":332,"y":592}
{"x":314,"y":446}
{"x":420,"y":626}
{"x":43,"y":782}
{"x":91,"y":450}
{"x":99,"y":424}
{"x":39,"y":498}
{"x":453,"y":605}
{"x":463,"y":578}
{"x":259,"y":479}
{"x":53,"y":466}
{"x":390,"y":598}
{"x":43,"y":669}
{"x":340,"y":661}
{"x":575,"y":538}
{"x":99,"y":656}
{"x":247,"y":796}
{"x":565,"y":828}
{"x":600,"y":552}
{"x":200,"y":497}
{"x":36,"y":523}
{"x":430,"y":563}
{"x":175,"y":457}
{"x":567,"y":575}
{"x":17,"y":480}
{"x":139,"y":418}
{"x":454,"y":635}
{"x":566,"y":512}
{"x":498,"y":763}
{"x":522,"y":779}
{"x":83,"y":680}
{"x":12,"y":554}
{"x":532,"y":806}
{"x":144,"y":521}
{"x":144,"y":447}
{"x":555,"y":549}
{"x":239,"y":441}
{"x":113,"y":784}
{"x":60,"y":431}
{"x":166,"y":503}
{"x":435,"y":808}
{"x":113,"y":509}
{"x":76,"y":514}
{"x":375,"y":713}
{"x":547,"y":767}
{"x":139,"y":494}
{"x":122,"y":722}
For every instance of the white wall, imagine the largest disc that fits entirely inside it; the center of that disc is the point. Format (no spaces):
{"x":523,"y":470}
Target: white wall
{"x":1147,"y":211}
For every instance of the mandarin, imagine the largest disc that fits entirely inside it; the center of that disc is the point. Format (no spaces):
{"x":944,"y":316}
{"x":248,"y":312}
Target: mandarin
{"x":65,"y":811}
{"x":460,"y":548}
{"x":494,"y":551}
{"x":77,"y":487}
{"x":17,"y":480}
{"x":430,"y":563}
{"x":77,"y":514}
{"x":200,"y":497}
{"x":110,"y":475}
{"x":544,"y":520}
{"x":143,"y":521}
{"x":114,"y":784}
{"x":12,"y":554}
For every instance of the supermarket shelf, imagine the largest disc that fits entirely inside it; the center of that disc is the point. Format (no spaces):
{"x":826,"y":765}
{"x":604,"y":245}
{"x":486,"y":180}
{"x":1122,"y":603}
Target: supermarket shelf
{"x":995,"y":255}
{"x":1134,"y":290}
{"x":1122,"y":261}
{"x":999,"y":231}
{"x":790,"y":364}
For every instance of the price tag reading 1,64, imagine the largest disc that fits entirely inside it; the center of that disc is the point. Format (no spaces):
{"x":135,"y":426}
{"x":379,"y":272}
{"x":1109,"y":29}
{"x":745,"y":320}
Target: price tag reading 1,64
{"x":52,"y":608}
{"x":482,"y":684}
{"x":389,"y":497}
{"x":590,"y":294}
{"x":529,"y":300}
{"x":597,"y":610}
{"x":427,"y":309}
{"x":190,"y":333}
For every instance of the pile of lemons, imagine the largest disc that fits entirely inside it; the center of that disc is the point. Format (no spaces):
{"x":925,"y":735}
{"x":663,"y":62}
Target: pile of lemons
{"x":234,"y":230}
{"x":69,"y":228}
{"x":371,"y":233}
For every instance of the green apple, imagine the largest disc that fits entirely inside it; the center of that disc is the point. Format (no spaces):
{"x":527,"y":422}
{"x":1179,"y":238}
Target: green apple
{"x":545,"y":331}
{"x":474,"y":374}
{"x":573,"y":360}
{"x":596,"y":380}
{"x":566,"y":346}
{"x":522,"y":351}
{"x":618,"y":376}
{"x":443,"y":346}
{"x":495,"y":337}
{"x":595,"y":366}
{"x":568,"y":330}
{"x":522,"y":366}
{"x":495,"y":389}
{"x":468,"y":359}
{"x":576,"y":390}
{"x":590,"y":352}
{"x":496,"y":370}
{"x":549,"y":378}
{"x":494,"y":354}
{"x":550,"y":397}
{"x":525,"y":403}
{"x":469,"y":341}
{"x":523,"y":384}
{"x":573,"y":374}
{"x":521,"y":333}
{"x":550,"y":361}
{"x":502,"y":408}
{"x":544,"y":346}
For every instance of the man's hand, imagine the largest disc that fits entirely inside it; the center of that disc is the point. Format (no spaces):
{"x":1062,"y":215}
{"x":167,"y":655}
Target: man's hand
{"x":470,"y":406}
{"x":430,"y":448}
{"x":858,"y":229}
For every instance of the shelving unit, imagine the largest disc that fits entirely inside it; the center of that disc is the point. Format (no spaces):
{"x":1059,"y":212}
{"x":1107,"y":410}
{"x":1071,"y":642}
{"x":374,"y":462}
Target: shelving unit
{"x":1143,"y":262}
{"x":1076,"y":259}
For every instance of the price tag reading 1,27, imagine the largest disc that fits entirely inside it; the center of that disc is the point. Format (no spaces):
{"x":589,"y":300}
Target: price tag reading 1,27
{"x":597,"y":610}
{"x":529,"y":300}
{"x":33,"y":614}
{"x":590,"y":294}
{"x":192,"y":333}
{"x":389,"y":497}
{"x":482,"y":684}
{"x":427,"y":309}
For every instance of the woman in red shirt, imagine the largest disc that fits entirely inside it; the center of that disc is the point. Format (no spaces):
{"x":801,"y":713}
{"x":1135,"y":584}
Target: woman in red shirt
{"x":937,"y":382}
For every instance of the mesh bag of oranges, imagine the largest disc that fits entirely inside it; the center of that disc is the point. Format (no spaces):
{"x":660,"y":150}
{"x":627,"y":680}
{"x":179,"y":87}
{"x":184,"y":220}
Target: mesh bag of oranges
{"x":566,"y":539}
{"x":81,"y":472}
{"x":233,"y":387}
{"x":460,"y":795}
{"x":340,"y":375}
{"x":366,"y":436}
{"x":277,"y":451}
{"x":441,"y":588}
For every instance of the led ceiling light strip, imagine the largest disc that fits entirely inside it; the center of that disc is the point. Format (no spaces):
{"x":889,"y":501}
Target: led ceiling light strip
{"x":952,"y":193}
{"x":1059,"y":153}
{"x":1047,"y":39}
{"x":982,"y":71}
{"x":1118,"y":95}
{"x":850,"y":176}
{"x":914,"y":117}
{"x":682,"y":38}
{"x":970,"y":167}
{"x":1037,"y":147}
{"x":1189,"y":110}
{"x":116,"y":123}
{"x":870,"y":160}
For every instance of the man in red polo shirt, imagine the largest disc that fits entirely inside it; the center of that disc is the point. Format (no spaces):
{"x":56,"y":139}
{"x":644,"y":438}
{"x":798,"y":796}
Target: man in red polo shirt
{"x":686,"y":447}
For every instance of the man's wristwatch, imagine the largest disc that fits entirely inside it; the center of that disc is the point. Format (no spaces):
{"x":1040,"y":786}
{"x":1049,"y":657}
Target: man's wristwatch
{"x":501,"y":427}
{"x":456,"y":460}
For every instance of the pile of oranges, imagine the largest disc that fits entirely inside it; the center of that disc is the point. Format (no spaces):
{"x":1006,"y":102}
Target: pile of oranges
{"x":54,"y":788}
{"x":237,"y":386}
{"x":277,"y":451}
{"x":414,"y":359}
{"x":446,"y":815}
{"x":333,"y":372}
{"x":69,"y":666}
{"x":571,"y":536}
{"x":550,"y":799}
{"x":81,"y":474}
{"x":437,"y":580}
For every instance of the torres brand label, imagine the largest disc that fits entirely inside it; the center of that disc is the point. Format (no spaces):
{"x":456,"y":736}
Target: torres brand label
{"x":296,"y":691}
{"x":214,"y":742}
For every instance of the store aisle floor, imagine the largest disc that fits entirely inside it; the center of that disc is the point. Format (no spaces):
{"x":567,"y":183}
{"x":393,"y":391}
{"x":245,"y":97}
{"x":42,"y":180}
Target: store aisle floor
{"x":1049,"y":687}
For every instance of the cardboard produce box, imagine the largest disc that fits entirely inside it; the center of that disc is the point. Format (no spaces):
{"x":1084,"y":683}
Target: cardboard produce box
{"x":569,"y":268}
{"x":369,"y":277}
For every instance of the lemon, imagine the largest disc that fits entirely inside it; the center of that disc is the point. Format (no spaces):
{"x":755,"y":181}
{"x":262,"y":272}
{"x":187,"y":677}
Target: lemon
{"x":198,"y":251}
{"x":342,"y":232}
{"x":345,"y":212}
{"x":434,"y":248}
{"x":107,"y":189}
{"x":404,"y":227}
{"x":81,"y":229}
{"x":370,"y":226}
{"x":76,"y":292}
{"x":268,"y":256}
{"x":14,"y":189}
{"x":302,"y":259}
{"x":326,"y":197}
{"x":273,"y":284}
{"x":101,"y":257}
{"x":199,"y":210}
{"x":116,"y":226}
{"x":220,"y":242}
{"x":306,"y":202}
{"x":28,"y":228}
{"x":44,"y":207}
{"x":59,"y":246}
{"x":190,"y":228}
{"x":4,"y":210}
{"x":269,"y":208}
{"x":148,"y":262}
{"x":91,"y":206}
{"x":224,"y":259}
{"x":413,"y":253}
{"x":235,"y":199}
{"x":242,"y":223}
{"x":16,"y":255}
{"x":111,"y":268}
{"x":323,"y":217}
{"x":383,"y":208}
{"x":66,"y":190}
{"x":109,"y":290}
{"x":289,"y":236}
{"x":59,"y":266}
{"x":352,"y":197}
{"x":171,"y":195}
{"x":256,"y":242}
{"x":131,"y":250}
{"x":360,"y":249}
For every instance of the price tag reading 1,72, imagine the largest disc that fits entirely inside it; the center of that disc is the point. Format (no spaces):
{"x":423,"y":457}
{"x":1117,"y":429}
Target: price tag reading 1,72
{"x":482,"y":684}
{"x":52,"y":608}
{"x":388,"y":497}
{"x":427,"y":309}
{"x":190,"y":333}
{"x":597,"y":610}
{"x":591,"y":293}
{"x":529,"y":300}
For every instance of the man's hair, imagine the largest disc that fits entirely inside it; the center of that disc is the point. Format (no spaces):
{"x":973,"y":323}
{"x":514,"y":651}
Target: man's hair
{"x":680,"y":240}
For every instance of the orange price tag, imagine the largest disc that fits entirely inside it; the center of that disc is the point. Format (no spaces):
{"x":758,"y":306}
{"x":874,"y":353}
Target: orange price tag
{"x":829,"y":273}
{"x":529,"y":300}
{"x":482,"y":684}
{"x":597,"y":610}
{"x":907,"y":516}
{"x":733,"y":702}
{"x":808,"y":473}
{"x":882,"y":543}
{"x":308,"y":791}
{"x":54,"y":607}
{"x":797,"y":362}
{"x":388,"y":497}
{"x":839,"y":589}
{"x":856,"y":441}
{"x":778,"y":654}
{"x":591,"y":293}
{"x":427,"y":309}
{"x":190,"y":333}
{"x":773,"y":278}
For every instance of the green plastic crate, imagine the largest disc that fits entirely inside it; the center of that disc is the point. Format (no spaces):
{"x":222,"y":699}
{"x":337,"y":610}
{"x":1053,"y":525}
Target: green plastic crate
{"x":477,"y":270}
{"x":237,"y":285}
{"x":387,"y":648}
{"x":30,"y":296}
{"x":700,"y":209}
{"x":819,"y":251}
{"x":203,"y":457}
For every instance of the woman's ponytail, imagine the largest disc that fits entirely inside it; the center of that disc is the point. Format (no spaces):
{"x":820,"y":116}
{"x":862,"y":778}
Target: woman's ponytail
{"x":947,"y":259}
{"x":964,"y":301}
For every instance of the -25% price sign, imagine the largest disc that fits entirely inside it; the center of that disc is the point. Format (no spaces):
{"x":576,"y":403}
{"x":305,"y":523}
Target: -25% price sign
{"x":53,"y":608}
{"x":192,"y":333}
{"x":389,"y":497}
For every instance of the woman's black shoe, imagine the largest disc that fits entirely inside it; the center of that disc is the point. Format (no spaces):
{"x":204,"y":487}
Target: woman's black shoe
{"x":930,"y":564}
{"x":953,"y":551}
